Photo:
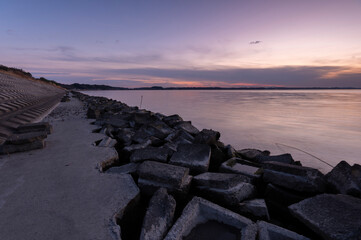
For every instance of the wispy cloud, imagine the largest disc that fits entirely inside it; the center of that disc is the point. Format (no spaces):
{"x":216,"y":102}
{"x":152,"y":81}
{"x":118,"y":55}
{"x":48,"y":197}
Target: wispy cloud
{"x":255,"y":42}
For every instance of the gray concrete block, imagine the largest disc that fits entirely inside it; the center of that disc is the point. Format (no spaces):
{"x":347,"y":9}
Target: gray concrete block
{"x":223,"y":189}
{"x":219,"y":180}
{"x":268,"y":231}
{"x":153,"y":175}
{"x":150,"y":153}
{"x":35,"y":127}
{"x":12,"y":148}
{"x":302,"y":179}
{"x":187,"y":126}
{"x":233,"y":166}
{"x":159,"y":216}
{"x":107,"y":142}
{"x":200,"y":211}
{"x":196,"y":157}
{"x":256,"y":208}
{"x":331,"y":216}
{"x":344,"y":179}
{"x":29,"y":137}
{"x":129,"y":168}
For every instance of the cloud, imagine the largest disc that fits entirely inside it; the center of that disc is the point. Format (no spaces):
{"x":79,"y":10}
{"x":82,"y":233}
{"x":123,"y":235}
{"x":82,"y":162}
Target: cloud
{"x":255,"y":42}
{"x":70,"y":56}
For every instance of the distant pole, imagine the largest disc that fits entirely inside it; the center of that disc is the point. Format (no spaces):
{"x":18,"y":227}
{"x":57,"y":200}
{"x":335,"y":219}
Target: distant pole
{"x":141,"y":101}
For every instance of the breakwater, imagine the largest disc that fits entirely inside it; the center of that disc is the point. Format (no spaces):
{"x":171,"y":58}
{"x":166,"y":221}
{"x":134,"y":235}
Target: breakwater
{"x":191,"y":182}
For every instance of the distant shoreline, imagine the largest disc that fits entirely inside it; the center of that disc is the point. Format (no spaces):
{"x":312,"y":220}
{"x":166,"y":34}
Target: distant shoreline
{"x":201,"y":88}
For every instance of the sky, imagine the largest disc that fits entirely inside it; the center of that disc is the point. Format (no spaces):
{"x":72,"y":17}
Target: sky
{"x":185,"y":43}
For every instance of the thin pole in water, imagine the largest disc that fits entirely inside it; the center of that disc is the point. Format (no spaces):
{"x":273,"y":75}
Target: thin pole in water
{"x":141,"y":101}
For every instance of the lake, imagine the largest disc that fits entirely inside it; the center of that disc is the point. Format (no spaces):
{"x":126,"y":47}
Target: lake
{"x":315,"y":126}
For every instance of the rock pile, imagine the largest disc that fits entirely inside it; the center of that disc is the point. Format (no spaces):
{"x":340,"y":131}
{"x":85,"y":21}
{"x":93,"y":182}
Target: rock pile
{"x":194,"y":186}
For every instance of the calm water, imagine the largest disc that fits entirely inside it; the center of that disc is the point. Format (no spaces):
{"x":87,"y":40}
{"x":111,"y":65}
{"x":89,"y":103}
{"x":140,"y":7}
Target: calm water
{"x":323,"y":123}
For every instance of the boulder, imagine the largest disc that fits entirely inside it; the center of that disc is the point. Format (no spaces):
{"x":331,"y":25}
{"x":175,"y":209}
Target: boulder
{"x":231,"y":152}
{"x":234,"y":166}
{"x":196,"y":157}
{"x":159,"y":216}
{"x":93,"y":113}
{"x":114,"y":121}
{"x":143,"y":117}
{"x":35,"y":127}
{"x":133,"y":147}
{"x":301,"y":179}
{"x":268,"y":231}
{"x":331,"y":216}
{"x":207,"y":136}
{"x":203,"y":218}
{"x":188,"y":127}
{"x":217,"y":158}
{"x":282,"y":197}
{"x":252,"y":154}
{"x":150,"y":153}
{"x":172,"y":120}
{"x":125,"y":135}
{"x":283,"y":158}
{"x":107,"y":142}
{"x":154,"y":175}
{"x":180,"y":137}
{"x":345,"y":179}
{"x":224,"y":188}
{"x":129,"y":168}
{"x":156,"y":129}
{"x":255,"y":208}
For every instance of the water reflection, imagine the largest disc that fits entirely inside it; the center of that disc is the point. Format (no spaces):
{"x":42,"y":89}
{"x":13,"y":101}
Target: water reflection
{"x":325,"y":123}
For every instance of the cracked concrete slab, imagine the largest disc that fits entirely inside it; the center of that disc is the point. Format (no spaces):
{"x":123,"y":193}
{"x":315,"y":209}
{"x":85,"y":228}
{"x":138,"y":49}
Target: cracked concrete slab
{"x":58,"y":192}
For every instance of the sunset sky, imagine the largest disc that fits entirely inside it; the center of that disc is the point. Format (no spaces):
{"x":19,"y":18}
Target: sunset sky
{"x":228,"y":43}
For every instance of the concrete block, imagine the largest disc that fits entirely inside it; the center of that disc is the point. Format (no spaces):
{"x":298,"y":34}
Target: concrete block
{"x":302,"y":179}
{"x":35,"y":127}
{"x":154,"y":175}
{"x":344,"y":179}
{"x":233,"y":166}
{"x":256,"y":208}
{"x":268,"y":231}
{"x":331,"y":216}
{"x":225,"y":189}
{"x":107,"y":142}
{"x":29,"y":137}
{"x":205,"y":218}
{"x":196,"y":157}
{"x":129,"y":168}
{"x":188,"y":127}
{"x":159,"y":216}
{"x":150,"y":153}
{"x":12,"y":148}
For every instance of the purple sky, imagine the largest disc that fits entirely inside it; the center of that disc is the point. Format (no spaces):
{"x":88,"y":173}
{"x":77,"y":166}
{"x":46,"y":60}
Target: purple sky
{"x":312,"y":43}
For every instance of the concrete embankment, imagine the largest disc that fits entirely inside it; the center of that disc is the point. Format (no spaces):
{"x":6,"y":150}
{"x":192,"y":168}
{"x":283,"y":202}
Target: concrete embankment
{"x":24,"y":101}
